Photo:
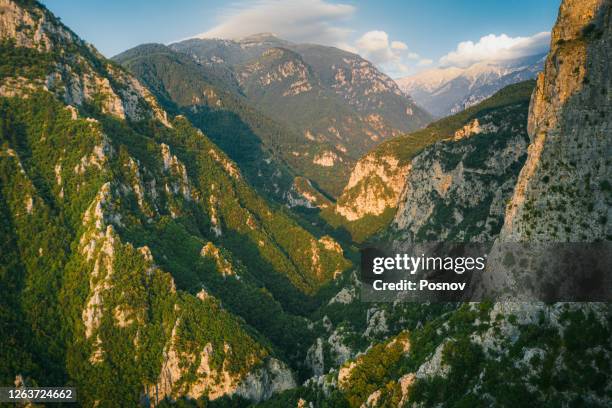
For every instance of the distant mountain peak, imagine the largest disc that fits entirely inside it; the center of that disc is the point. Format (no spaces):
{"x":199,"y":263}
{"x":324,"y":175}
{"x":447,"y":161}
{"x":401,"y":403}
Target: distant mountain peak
{"x":443,"y":91}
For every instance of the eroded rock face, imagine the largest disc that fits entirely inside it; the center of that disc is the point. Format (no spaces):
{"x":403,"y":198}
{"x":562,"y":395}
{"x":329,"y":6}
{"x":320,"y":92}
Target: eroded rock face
{"x":563,"y":192}
{"x":71,"y":76}
{"x":272,"y":378}
{"x":315,"y":359}
{"x":214,"y":382}
{"x":375,"y":185}
{"x":326,"y":159}
{"x":474,"y":128}
{"x":286,"y":65}
{"x":30,"y":28}
{"x":457,"y":189}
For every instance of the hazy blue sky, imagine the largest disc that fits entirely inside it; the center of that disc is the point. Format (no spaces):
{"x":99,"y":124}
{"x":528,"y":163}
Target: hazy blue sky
{"x":399,"y":36}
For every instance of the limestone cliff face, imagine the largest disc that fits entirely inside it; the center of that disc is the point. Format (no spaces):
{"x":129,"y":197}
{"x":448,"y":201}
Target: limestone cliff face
{"x":260,"y":383}
{"x":474,"y":166}
{"x":563,"y":192}
{"x":457,"y":189}
{"x":274,"y":377}
{"x":31,"y":28}
{"x":375,"y":185}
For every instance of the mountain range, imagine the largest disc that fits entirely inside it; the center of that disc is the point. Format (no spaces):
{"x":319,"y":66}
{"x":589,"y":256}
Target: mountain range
{"x":324,"y":107}
{"x":162,"y":245}
{"x":444,"y":91}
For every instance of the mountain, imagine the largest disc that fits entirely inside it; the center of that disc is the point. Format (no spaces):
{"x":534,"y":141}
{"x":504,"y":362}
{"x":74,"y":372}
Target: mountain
{"x":139,"y":265}
{"x":259,"y":145}
{"x":444,"y":91}
{"x":504,"y":353}
{"x":569,"y":122}
{"x":137,"y":262}
{"x":570,"y":145}
{"x":335,"y":103}
{"x":386,"y":179}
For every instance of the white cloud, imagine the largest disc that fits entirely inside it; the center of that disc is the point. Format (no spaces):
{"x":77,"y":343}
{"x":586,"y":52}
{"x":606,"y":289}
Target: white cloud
{"x":390,"y":56}
{"x":314,"y":21}
{"x":375,"y":45}
{"x":424,"y":62}
{"x":398,"y":45}
{"x":496,"y":47}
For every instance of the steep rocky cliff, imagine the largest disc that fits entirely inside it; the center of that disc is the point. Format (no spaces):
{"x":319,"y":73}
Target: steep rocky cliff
{"x":563,"y":192}
{"x":374,"y":186}
{"x":438,"y":180}
{"x":457,"y":189}
{"x":50,"y":56}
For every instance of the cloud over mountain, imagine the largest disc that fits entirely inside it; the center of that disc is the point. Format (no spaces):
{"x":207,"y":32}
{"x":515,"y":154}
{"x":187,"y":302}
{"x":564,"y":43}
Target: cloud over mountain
{"x":496,"y":48}
{"x":314,"y":21}
{"x":391,"y":56}
{"x":324,"y":22}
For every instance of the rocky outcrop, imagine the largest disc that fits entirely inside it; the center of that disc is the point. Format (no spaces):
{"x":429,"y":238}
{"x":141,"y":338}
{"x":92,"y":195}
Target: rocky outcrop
{"x":224,"y":266}
{"x":375,"y":184}
{"x":304,"y":194}
{"x":261,"y":384}
{"x":315,"y":358}
{"x":328,"y":353}
{"x":279,"y":65}
{"x":326,"y":159}
{"x":457,"y":189}
{"x":392,"y":349}
{"x":563,"y":192}
{"x":71,"y":76}
{"x":474,"y":128}
{"x":32,"y":27}
{"x":210,"y":380}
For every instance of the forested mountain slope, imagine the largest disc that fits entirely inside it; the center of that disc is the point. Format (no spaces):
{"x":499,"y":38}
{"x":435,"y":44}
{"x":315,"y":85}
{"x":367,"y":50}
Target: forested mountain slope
{"x":329,"y":106}
{"x":260,"y":146}
{"x":137,"y":261}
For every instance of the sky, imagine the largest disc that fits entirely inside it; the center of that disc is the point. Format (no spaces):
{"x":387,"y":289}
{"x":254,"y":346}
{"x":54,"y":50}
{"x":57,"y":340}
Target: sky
{"x":400,"y":37}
